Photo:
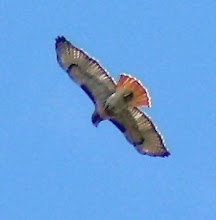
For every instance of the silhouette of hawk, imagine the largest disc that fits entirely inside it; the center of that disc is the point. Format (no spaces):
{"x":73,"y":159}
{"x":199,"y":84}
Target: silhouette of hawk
{"x":116,"y":102}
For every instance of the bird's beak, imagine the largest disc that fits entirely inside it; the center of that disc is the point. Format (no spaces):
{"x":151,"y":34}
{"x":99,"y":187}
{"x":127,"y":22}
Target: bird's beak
{"x":96,"y":123}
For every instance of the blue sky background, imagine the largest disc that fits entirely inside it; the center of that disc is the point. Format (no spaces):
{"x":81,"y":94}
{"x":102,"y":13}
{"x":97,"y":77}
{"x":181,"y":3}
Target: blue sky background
{"x":54,"y":164}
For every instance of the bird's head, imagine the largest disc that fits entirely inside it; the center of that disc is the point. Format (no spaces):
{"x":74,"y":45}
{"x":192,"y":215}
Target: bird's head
{"x":96,"y":119}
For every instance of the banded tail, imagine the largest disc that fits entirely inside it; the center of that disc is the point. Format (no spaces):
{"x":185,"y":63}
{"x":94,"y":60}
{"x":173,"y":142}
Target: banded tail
{"x":139,"y":94}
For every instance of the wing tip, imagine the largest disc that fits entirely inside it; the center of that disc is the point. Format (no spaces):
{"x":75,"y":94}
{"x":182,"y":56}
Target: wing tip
{"x":60,"y":40}
{"x":166,"y":154}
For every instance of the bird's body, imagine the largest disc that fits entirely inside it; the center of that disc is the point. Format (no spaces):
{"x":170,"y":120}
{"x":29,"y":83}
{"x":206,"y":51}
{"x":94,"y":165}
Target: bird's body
{"x":116,"y":102}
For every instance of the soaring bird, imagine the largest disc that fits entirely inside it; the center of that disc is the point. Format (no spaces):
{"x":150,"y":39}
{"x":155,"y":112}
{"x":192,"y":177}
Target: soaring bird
{"x":117,"y":102}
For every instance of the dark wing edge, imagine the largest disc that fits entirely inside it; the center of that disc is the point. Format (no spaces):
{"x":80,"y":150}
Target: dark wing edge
{"x":118,"y":125}
{"x":152,"y":144}
{"x":84,"y":70}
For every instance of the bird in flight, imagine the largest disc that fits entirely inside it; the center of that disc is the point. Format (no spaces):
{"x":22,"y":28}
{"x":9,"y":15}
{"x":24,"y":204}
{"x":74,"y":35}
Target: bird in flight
{"x":117,"y":102}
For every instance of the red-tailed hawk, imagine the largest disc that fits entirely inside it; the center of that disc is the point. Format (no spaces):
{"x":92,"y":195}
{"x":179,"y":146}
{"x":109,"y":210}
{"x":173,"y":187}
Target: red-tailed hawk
{"x":116,"y":102}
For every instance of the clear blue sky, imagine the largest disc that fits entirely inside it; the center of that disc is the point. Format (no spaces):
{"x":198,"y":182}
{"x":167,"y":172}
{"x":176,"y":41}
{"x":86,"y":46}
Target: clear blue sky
{"x":54,"y":164}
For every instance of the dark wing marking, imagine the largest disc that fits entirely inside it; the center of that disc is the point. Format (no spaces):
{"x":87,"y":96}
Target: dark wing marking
{"x":86,"y":90}
{"x":118,"y":125}
{"x":85,"y":71}
{"x":126,"y":123}
{"x":140,"y":131}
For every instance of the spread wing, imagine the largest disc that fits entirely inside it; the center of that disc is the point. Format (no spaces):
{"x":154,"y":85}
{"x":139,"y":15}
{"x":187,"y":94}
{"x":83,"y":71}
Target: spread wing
{"x":85,"y":71}
{"x":140,"y":131}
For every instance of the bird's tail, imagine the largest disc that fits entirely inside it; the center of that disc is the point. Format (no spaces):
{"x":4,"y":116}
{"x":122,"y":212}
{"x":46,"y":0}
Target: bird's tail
{"x":139,"y":94}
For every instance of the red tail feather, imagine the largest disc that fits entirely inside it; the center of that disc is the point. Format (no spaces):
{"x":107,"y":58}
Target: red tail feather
{"x":140,"y":94}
